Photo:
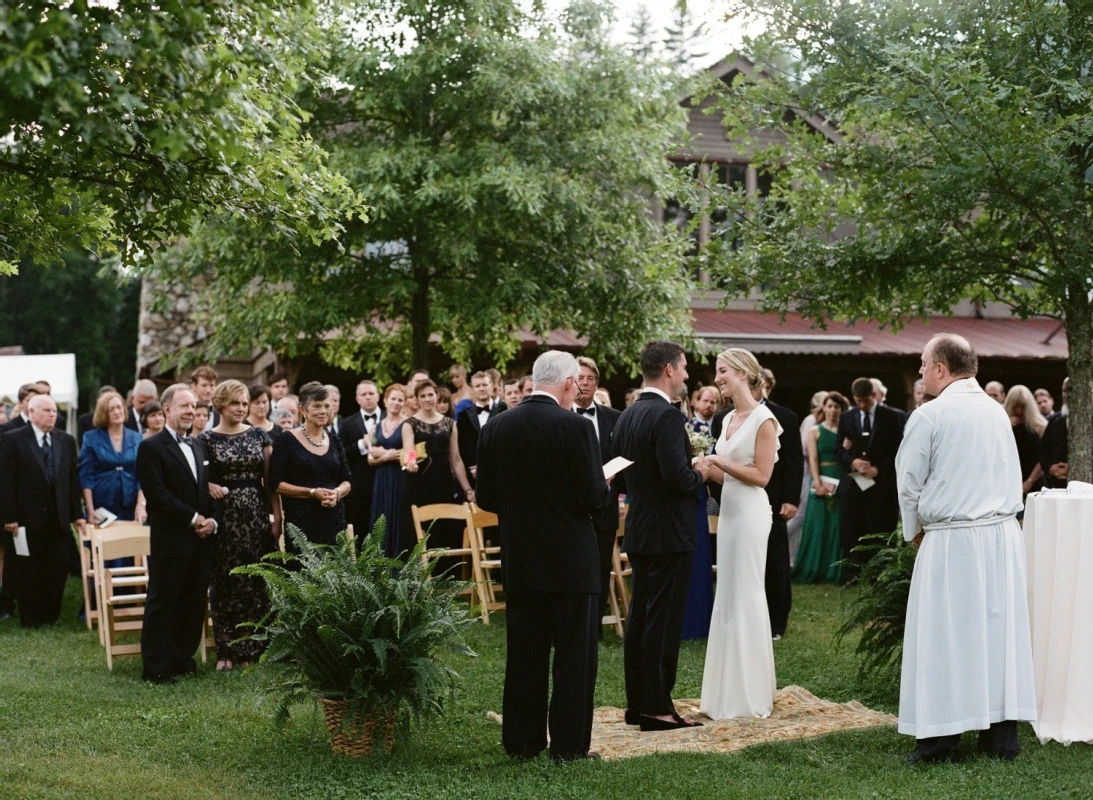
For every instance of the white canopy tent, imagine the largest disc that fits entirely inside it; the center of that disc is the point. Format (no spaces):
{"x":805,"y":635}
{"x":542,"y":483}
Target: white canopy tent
{"x":59,"y":370}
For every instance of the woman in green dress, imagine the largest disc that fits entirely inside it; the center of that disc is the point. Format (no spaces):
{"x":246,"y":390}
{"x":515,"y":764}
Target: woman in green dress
{"x":818,"y":559}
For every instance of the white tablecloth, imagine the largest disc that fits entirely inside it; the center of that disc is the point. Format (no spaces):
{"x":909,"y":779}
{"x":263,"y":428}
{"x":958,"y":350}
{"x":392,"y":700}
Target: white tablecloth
{"x":1059,"y":551}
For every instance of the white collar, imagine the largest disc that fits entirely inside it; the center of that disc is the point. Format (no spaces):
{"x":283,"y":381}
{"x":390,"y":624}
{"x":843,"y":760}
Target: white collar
{"x":962,"y":386}
{"x":177,"y":436}
{"x":541,"y":393}
{"x":698,"y":418}
{"x":658,"y":391}
{"x":26,"y":418}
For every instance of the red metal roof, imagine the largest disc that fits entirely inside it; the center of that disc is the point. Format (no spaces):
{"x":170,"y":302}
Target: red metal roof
{"x":992,"y":337}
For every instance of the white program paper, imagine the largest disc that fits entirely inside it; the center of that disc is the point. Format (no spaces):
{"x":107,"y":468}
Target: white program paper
{"x":20,"y":538}
{"x":862,"y":481}
{"x":615,"y":466}
{"x":105,"y":516}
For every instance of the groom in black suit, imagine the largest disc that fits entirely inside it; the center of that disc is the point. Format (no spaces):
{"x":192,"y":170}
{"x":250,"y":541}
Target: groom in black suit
{"x":868,"y":440}
{"x":660,"y":534}
{"x":173,"y":470}
{"x":549,"y":560}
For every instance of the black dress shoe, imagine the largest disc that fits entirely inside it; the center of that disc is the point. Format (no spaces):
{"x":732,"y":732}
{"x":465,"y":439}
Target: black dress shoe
{"x":654,"y":724}
{"x":632,"y":716}
{"x":949,"y":757}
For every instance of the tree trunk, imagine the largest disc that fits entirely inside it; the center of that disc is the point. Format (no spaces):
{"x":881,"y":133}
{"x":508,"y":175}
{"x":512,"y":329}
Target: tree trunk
{"x":419,"y":320}
{"x":1079,"y":336}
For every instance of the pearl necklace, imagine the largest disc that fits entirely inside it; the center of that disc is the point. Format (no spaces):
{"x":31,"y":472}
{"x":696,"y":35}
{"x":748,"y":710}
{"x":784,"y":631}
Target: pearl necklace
{"x":320,"y":443}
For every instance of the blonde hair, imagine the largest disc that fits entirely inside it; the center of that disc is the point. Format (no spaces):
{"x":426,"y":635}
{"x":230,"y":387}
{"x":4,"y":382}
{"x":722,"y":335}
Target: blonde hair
{"x":740,"y":359}
{"x":226,"y":393}
{"x":817,"y":401}
{"x":1020,"y":397}
{"x":101,"y":418}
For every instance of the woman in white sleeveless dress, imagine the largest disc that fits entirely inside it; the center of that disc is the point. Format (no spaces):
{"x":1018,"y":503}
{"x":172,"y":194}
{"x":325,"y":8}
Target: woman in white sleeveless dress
{"x":738,"y":678}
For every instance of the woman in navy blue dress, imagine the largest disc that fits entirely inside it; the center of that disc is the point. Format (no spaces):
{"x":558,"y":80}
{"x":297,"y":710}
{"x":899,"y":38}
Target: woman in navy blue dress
{"x":390,"y":479}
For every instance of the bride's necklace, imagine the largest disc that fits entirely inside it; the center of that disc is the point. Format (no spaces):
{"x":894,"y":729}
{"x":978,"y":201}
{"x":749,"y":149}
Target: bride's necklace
{"x":312,"y":442}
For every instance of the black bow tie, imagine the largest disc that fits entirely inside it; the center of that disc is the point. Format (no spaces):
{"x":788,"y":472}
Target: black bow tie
{"x":187,"y":440}
{"x":483,"y":408}
{"x":370,"y":417}
{"x":590,"y":411}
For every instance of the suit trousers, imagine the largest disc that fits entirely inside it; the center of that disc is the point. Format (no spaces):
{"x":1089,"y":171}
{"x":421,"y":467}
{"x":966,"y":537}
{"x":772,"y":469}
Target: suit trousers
{"x":39,"y":587}
{"x":653,"y":629}
{"x":174,"y":615}
{"x":863,"y":513}
{"x":536,"y":623}
{"x":1000,"y":739}
{"x":778,"y":588}
{"x":605,"y":539}
{"x":7,"y":577}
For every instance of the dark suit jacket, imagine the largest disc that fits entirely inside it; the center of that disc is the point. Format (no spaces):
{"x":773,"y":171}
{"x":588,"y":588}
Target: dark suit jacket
{"x":607,"y":518}
{"x":468,"y":431}
{"x":132,"y":419}
{"x":880,"y":449}
{"x":172,"y":494}
{"x":44,"y":505}
{"x":661,"y":485}
{"x":784,"y":485}
{"x":15,"y":423}
{"x":539,"y":470}
{"x":1054,"y":450}
{"x":83,"y":425}
{"x":351,"y":432}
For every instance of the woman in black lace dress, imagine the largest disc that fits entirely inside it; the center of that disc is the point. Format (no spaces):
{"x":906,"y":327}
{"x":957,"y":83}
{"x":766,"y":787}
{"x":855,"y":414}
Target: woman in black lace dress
{"x":308,"y":469}
{"x":438,"y":477}
{"x":238,"y":459}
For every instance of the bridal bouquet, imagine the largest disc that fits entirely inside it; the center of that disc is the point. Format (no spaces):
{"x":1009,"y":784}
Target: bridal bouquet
{"x":701,"y":441}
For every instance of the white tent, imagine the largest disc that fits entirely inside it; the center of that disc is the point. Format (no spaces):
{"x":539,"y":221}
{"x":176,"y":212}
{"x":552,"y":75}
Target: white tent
{"x":59,"y":370}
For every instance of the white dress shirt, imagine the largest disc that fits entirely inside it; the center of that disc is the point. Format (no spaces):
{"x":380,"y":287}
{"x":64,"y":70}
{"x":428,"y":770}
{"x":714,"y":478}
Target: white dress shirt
{"x":188,"y":451}
{"x":369,"y":428}
{"x":594,"y":418}
{"x":658,"y":391}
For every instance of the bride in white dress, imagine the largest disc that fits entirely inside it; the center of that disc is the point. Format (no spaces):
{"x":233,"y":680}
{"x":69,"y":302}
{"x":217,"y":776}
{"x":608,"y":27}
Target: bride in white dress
{"x":738,"y":678}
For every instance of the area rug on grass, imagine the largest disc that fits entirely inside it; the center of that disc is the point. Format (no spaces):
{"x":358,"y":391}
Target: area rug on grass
{"x":798,"y":714}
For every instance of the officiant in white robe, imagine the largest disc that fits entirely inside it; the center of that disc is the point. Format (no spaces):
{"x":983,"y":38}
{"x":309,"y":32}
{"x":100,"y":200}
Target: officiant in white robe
{"x":967,"y":650}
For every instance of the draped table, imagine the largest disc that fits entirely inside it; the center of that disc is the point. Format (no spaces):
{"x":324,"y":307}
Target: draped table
{"x":1059,"y":553}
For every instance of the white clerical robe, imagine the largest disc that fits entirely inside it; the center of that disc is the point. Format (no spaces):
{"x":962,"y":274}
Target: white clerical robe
{"x":967,"y":650}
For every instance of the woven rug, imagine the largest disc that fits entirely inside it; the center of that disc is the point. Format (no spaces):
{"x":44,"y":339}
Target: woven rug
{"x":798,"y":714}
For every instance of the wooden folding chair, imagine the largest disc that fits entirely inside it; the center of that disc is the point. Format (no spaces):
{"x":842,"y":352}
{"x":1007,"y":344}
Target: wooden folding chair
{"x":121,"y":529}
{"x":423,"y":515}
{"x":87,"y":578}
{"x":486,"y":560}
{"x":121,"y":613}
{"x":620,"y":571}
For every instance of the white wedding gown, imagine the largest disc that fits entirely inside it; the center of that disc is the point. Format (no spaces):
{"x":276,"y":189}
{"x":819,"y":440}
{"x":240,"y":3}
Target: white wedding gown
{"x":738,"y":678}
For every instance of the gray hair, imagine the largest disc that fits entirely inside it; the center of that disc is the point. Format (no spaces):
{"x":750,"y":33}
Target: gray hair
{"x":170,"y":392}
{"x":280,"y":414}
{"x":333,"y":389}
{"x":552,"y":368}
{"x":146,"y":388}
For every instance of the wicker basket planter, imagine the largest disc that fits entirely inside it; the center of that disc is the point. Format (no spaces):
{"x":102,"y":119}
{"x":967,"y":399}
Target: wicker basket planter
{"x":357,"y":741}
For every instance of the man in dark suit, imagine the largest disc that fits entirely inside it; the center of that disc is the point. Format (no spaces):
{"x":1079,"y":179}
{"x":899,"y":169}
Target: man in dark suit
{"x":41,"y":495}
{"x":549,"y":561}
{"x":1054,"y":450}
{"x":603,"y":419}
{"x":357,"y":437}
{"x":143,"y":392}
{"x":471,"y":420}
{"x":868,"y":440}
{"x":783,"y":490}
{"x":660,"y":534}
{"x":173,"y":470}
{"x":335,"y":426}
{"x":20,"y":417}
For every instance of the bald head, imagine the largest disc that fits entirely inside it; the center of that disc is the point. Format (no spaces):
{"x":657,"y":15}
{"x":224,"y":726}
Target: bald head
{"x":996,"y":390}
{"x":946,"y":358}
{"x":43,"y":412}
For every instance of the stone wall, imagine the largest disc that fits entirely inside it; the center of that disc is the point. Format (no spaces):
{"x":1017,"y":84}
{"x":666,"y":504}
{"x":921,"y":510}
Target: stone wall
{"x":170,"y":320}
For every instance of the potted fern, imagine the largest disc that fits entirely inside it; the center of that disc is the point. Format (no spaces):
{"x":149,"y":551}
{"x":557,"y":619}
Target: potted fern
{"x":359,"y":632}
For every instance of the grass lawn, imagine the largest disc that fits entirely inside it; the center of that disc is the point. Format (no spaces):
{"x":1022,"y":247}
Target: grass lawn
{"x":69,"y":728}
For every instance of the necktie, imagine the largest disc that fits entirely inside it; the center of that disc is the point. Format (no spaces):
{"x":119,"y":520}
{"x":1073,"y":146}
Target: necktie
{"x":590,"y":411}
{"x":47,"y":453}
{"x":866,"y":431}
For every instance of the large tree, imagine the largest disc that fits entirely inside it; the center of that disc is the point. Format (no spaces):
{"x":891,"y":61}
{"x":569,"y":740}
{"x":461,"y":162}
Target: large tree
{"x":123,"y":121}
{"x":963,"y":167}
{"x":510,"y":159}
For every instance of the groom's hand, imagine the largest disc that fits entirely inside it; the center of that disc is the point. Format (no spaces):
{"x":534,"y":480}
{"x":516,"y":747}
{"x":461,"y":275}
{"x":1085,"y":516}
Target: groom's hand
{"x":703,"y":467}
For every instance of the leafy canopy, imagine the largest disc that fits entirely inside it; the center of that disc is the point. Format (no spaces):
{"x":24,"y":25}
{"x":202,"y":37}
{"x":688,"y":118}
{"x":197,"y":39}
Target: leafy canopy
{"x":510,"y":159}
{"x":124,"y":120}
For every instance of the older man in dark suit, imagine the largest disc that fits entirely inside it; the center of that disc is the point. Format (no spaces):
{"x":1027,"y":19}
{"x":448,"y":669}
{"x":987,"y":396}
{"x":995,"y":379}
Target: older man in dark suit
{"x":867,"y":442}
{"x":660,"y":534}
{"x":549,"y":560}
{"x":357,"y":435}
{"x":39,"y":500}
{"x":173,"y":470}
